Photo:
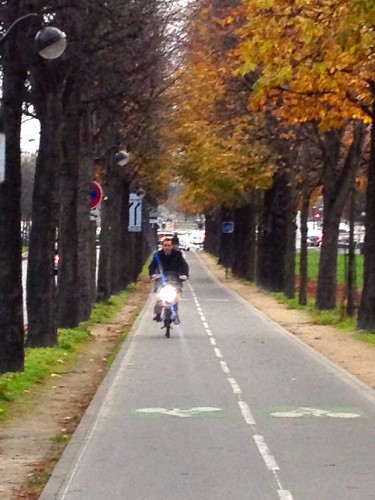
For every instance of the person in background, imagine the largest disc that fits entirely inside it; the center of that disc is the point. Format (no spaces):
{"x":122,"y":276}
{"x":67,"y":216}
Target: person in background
{"x":176,"y":242}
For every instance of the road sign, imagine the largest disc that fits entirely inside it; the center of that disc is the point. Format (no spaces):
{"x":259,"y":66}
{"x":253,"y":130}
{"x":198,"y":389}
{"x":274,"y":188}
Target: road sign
{"x":94,"y":214}
{"x":96,"y":194}
{"x":228,"y":227}
{"x":135,"y":213}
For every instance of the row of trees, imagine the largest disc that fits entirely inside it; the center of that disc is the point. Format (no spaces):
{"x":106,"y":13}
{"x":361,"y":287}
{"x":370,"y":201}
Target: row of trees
{"x":275,"y":105}
{"x":105,"y":93}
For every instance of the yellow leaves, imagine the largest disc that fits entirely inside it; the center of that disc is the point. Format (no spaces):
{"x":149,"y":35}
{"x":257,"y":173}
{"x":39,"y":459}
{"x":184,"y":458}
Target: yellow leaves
{"x":310,"y":55}
{"x":209,"y":138}
{"x":226,"y":21}
{"x":246,"y":68}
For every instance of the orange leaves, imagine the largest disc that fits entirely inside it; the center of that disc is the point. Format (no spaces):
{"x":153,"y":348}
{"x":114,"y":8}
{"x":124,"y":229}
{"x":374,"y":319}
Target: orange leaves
{"x":314,"y":54}
{"x":209,"y":136}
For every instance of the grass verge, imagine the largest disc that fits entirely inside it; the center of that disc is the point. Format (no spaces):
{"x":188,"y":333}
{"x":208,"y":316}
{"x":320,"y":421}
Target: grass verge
{"x":342,"y":266}
{"x":43,"y":362}
{"x":336,"y":318}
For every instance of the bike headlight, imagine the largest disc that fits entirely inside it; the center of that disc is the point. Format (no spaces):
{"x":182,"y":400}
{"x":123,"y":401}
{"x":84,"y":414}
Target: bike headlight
{"x":168,"y":294}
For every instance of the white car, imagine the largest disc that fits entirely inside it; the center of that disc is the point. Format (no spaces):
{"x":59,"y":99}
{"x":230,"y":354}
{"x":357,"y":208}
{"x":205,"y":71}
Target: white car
{"x":197,"y":238}
{"x":184,"y":242}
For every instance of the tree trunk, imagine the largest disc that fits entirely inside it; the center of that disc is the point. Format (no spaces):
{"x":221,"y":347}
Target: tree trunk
{"x":336,"y":189}
{"x":86,"y":229}
{"x":68,"y":296}
{"x":274,"y":235}
{"x":213,"y":228}
{"x":252,"y":258}
{"x":240,"y":240}
{"x":104,"y":274}
{"x":244,"y":241}
{"x":290,"y":249}
{"x":127,"y":241}
{"x":303,"y":267}
{"x":108,"y":281}
{"x":366,"y":313}
{"x":226,"y":254}
{"x":306,"y":192}
{"x":41,"y":287}
{"x":11,"y":303}
{"x":116,"y":254}
{"x":351,"y":290}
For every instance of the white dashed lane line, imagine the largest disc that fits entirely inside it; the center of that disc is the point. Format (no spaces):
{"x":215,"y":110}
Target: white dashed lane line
{"x":247,"y":415}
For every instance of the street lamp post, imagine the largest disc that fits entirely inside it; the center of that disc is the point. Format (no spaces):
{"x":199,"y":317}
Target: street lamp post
{"x":11,"y":303}
{"x":50,"y":42}
{"x":122,"y":158}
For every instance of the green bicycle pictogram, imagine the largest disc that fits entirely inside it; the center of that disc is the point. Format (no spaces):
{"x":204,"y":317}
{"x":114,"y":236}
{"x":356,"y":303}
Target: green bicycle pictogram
{"x":302,"y":411}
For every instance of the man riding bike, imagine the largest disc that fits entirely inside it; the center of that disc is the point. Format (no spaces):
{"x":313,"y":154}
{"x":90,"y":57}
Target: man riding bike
{"x":167,"y":261}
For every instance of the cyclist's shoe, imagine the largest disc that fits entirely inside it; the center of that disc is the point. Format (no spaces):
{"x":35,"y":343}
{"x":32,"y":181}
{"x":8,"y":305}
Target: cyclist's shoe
{"x":157,"y":318}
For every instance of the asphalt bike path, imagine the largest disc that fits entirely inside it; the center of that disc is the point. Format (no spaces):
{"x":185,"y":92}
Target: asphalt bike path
{"x":230,"y":407}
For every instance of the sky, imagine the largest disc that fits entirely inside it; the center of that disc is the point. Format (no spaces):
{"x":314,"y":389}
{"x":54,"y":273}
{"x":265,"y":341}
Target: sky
{"x":30,"y":135}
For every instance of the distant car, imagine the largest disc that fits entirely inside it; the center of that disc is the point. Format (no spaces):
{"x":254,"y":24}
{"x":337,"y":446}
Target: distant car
{"x":184,"y":242}
{"x":314,"y":241}
{"x":197,"y":238}
{"x":343,"y":241}
{"x":361,"y":247}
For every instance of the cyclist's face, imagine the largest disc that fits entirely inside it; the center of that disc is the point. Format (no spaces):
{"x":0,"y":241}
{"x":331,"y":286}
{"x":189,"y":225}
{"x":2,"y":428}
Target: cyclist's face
{"x":167,"y":247}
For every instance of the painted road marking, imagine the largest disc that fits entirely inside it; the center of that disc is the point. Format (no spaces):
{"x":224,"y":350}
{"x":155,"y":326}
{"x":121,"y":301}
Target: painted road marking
{"x":265,"y":453}
{"x":284,"y":495}
{"x":224,"y":366}
{"x":218,"y":353}
{"x":303,"y":411}
{"x":217,"y":300}
{"x":178,"y":412}
{"x":263,"y":449}
{"x":246,"y":413}
{"x":236,"y":388}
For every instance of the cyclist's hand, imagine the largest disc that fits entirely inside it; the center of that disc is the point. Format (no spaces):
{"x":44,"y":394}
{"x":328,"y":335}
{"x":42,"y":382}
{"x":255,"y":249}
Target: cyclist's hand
{"x":183,"y":277}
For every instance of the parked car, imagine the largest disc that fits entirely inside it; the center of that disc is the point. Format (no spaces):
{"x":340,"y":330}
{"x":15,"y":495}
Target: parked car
{"x":184,"y":241}
{"x":343,"y":241}
{"x":314,"y":240}
{"x":197,"y":238}
{"x":360,"y":247}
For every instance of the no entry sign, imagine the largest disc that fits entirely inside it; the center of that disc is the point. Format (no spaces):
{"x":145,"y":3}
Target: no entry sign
{"x":96,"y":194}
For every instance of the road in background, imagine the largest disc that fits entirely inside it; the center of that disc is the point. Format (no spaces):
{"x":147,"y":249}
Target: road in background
{"x":230,"y":407}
